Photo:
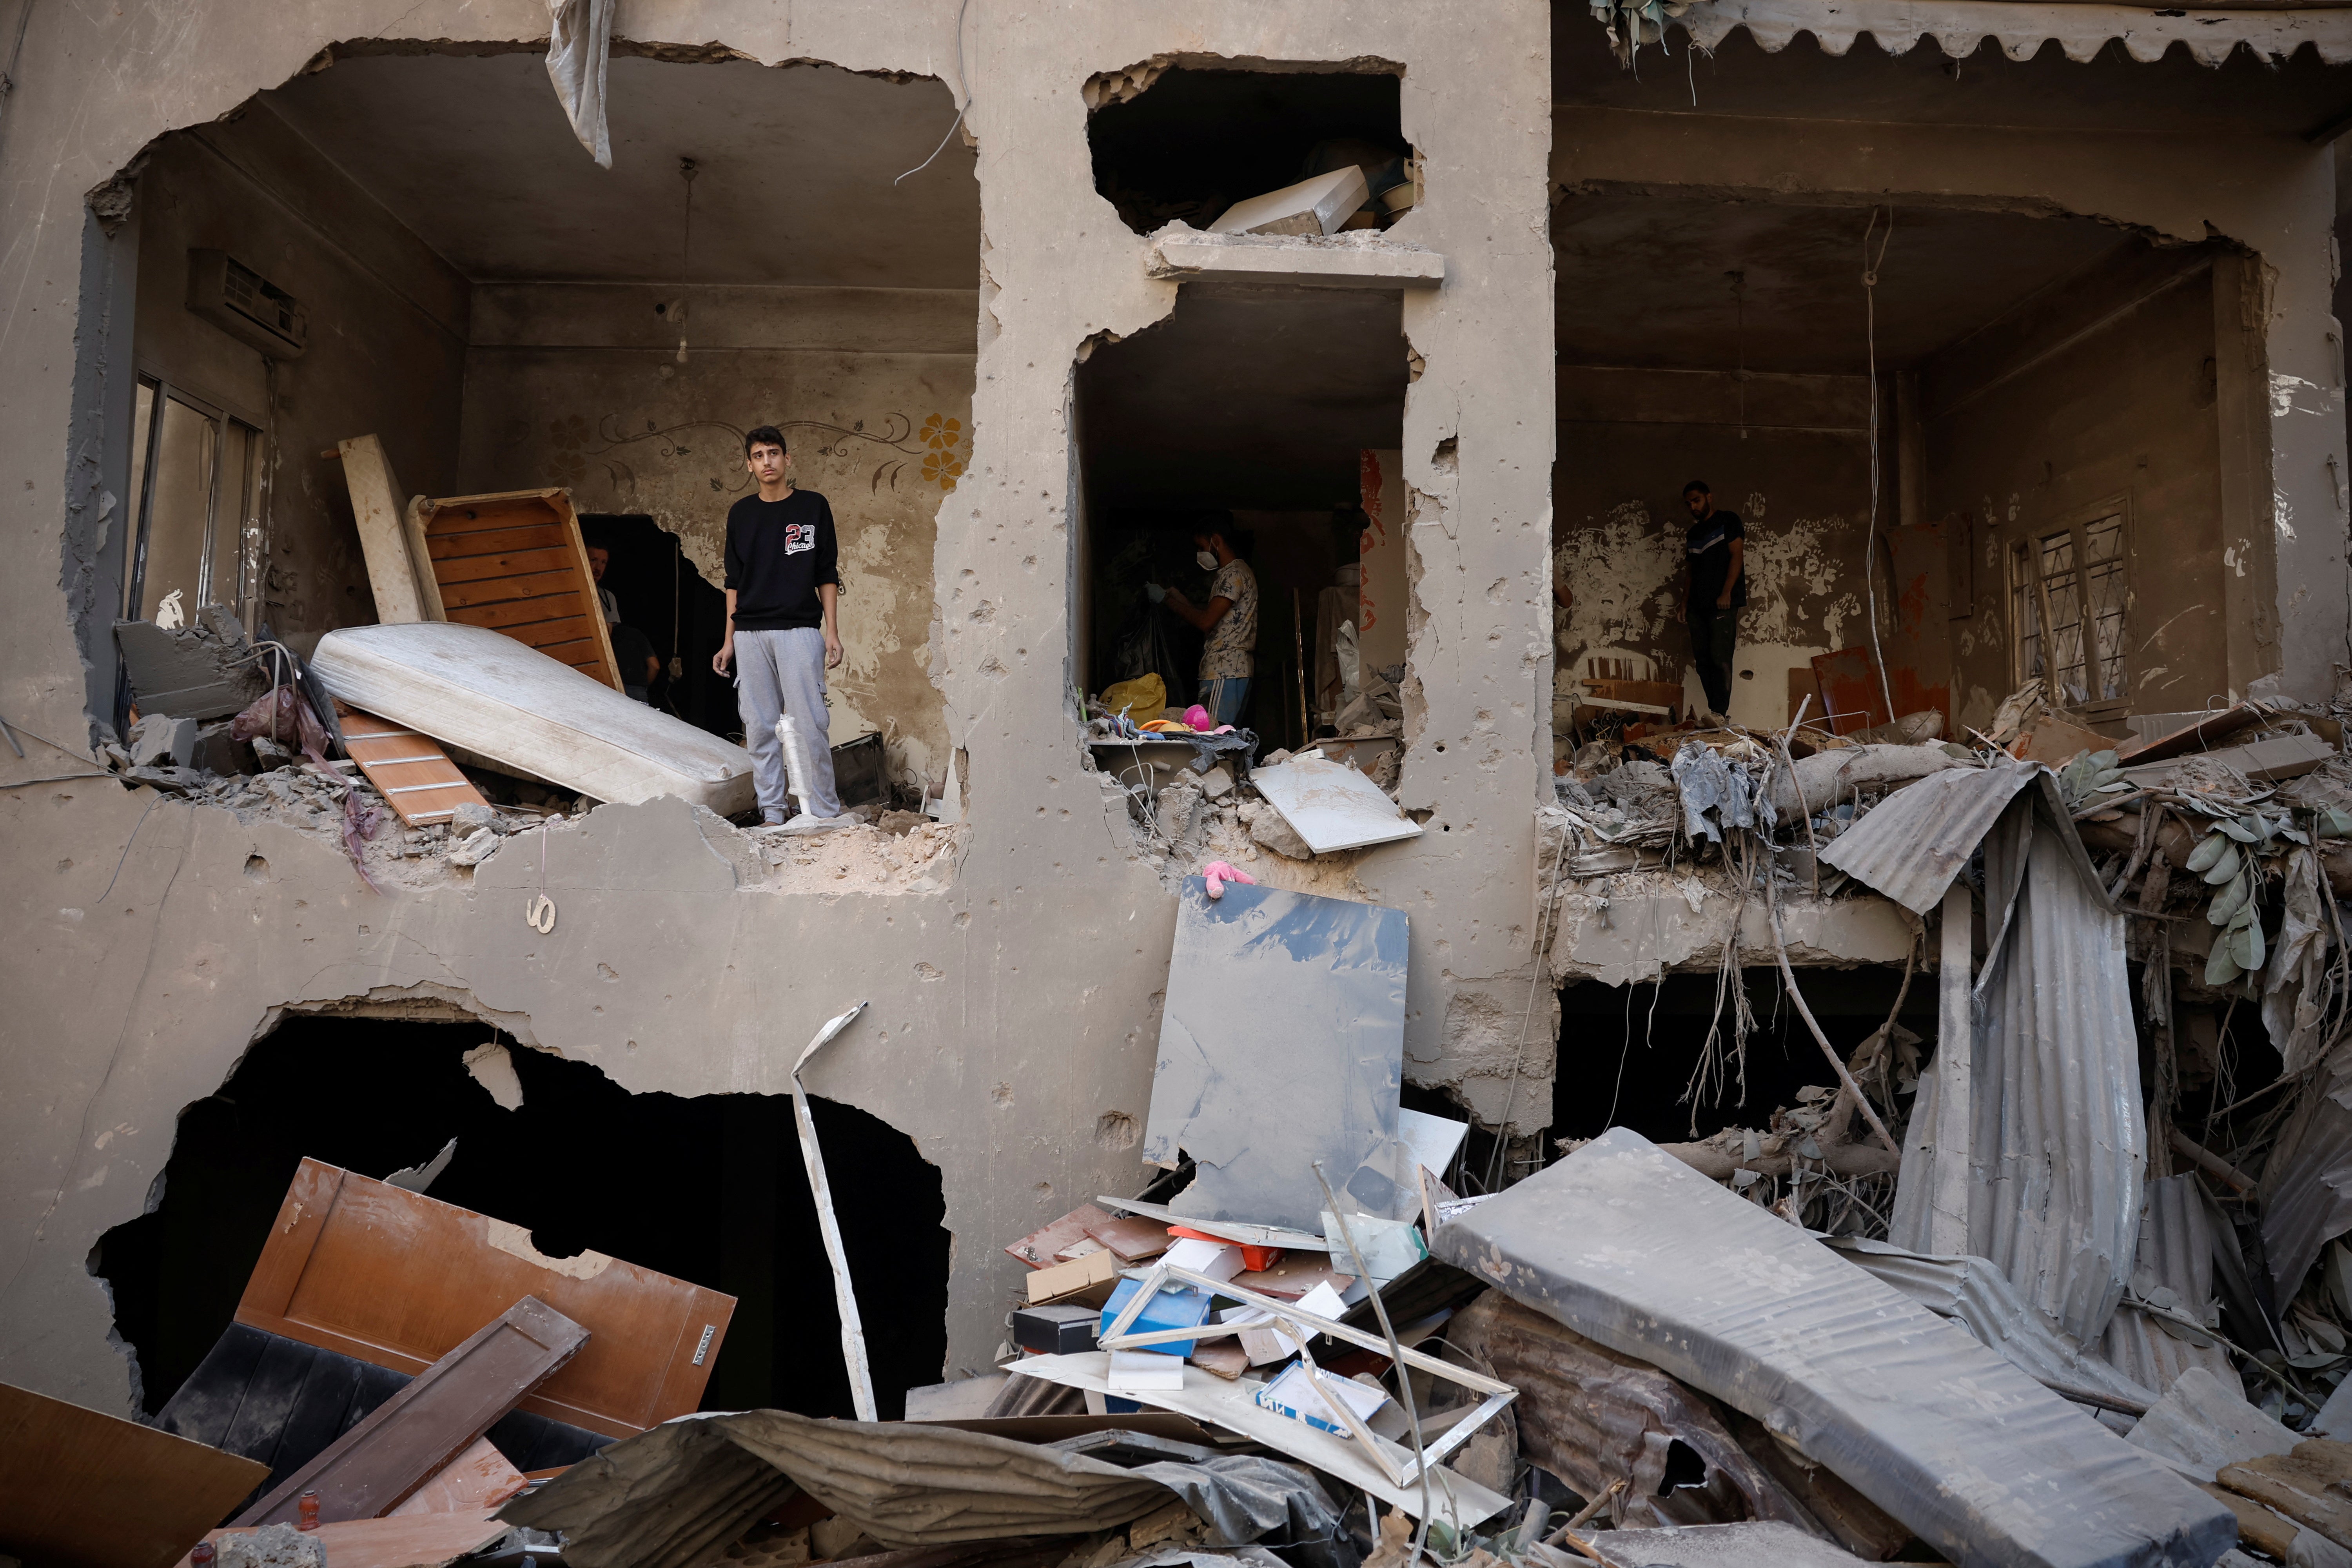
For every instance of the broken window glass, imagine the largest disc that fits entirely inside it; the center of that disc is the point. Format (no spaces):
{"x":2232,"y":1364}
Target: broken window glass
{"x":194,"y":473}
{"x":2066,"y":600}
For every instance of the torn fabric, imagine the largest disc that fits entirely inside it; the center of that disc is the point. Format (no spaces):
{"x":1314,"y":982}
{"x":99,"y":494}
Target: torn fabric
{"x":1718,"y":795}
{"x":579,"y":44}
{"x":658,"y":1500}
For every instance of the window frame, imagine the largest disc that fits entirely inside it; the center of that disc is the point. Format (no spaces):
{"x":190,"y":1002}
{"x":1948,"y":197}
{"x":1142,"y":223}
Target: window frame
{"x":2024,"y":557}
{"x":210,"y":576}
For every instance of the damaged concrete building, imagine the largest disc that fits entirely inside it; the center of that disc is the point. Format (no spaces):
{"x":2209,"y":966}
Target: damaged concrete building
{"x":2012,"y":331}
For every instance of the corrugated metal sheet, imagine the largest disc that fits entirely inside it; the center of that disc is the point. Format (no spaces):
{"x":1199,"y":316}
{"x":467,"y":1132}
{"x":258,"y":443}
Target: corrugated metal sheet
{"x":1631,"y":1247}
{"x":2081,"y":30}
{"x":1911,"y":845}
{"x":2057,"y":1144}
{"x":2306,"y":1189}
{"x":2175,"y":1253}
{"x":1977,"y":1295}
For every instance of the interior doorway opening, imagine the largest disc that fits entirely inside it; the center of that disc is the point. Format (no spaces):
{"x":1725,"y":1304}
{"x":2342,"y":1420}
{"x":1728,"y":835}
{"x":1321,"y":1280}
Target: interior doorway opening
{"x":678,"y":616}
{"x":708,"y":1189}
{"x":1251,"y":413}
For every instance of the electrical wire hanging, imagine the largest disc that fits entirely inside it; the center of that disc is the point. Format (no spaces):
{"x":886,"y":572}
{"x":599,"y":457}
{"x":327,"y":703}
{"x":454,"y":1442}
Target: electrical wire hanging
{"x":963,"y":81}
{"x":1870,"y":266}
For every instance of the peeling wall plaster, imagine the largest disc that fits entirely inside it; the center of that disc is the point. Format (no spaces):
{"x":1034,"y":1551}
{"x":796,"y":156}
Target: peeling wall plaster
{"x":1620,"y":534}
{"x":580,"y":386}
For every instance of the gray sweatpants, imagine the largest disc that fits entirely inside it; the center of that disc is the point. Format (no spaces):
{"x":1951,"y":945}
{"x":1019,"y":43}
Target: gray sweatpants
{"x":778,"y":673}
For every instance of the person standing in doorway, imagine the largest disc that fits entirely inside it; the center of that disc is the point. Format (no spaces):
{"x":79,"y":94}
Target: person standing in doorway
{"x":1714,"y":592}
{"x":1229,"y":657}
{"x":783,"y":589}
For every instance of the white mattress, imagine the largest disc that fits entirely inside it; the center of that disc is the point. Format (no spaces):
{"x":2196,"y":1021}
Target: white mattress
{"x":483,"y":691}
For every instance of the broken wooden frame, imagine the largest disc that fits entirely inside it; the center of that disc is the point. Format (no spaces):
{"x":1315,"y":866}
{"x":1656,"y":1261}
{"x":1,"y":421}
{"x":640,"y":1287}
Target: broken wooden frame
{"x":1301,"y":1327}
{"x":1240,"y":1233}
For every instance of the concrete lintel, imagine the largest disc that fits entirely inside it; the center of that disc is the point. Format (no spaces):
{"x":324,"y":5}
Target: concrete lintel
{"x":1637,"y":936}
{"x":1334,"y":261}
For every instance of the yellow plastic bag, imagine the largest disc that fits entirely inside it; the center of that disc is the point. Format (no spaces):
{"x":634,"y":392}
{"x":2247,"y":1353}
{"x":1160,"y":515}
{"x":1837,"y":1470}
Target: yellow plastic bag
{"x":1143,"y":698}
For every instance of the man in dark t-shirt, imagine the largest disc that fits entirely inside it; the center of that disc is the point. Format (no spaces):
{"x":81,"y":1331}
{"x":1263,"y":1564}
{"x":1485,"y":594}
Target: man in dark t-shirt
{"x":782,"y":593}
{"x":1717,"y":588}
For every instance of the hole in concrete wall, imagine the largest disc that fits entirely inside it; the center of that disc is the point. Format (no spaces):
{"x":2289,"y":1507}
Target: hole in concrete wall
{"x":482,"y":296}
{"x":708,"y":1189}
{"x":1627,"y":1053}
{"x":1197,"y":141}
{"x":1264,"y":417}
{"x":2022,"y":362}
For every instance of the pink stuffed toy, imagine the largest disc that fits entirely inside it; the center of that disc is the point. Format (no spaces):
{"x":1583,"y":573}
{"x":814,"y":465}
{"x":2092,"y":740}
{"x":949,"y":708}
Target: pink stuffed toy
{"x":1217,"y":873}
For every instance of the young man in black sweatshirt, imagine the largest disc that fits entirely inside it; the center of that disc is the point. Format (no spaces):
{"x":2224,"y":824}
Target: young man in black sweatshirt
{"x":782,"y":589}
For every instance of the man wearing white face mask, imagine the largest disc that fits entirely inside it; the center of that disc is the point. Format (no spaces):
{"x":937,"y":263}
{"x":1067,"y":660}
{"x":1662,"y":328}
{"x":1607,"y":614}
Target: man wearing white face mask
{"x":1230,"y":618}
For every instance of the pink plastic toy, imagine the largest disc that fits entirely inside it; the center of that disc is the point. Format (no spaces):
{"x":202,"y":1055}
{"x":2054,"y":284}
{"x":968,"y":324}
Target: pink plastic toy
{"x":1197,"y":716}
{"x":1217,"y":873}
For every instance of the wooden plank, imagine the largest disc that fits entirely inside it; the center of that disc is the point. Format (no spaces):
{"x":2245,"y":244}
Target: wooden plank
{"x":481,"y":1477}
{"x":404,"y":1541}
{"x":457,"y":569}
{"x":1039,"y":1248}
{"x":489,"y":541}
{"x":379,"y":510}
{"x":468,"y":514}
{"x":580,"y":654}
{"x":2309,"y":1485}
{"x":397,"y":760}
{"x":449,"y":522}
{"x":419,"y":1432}
{"x":420,"y":559}
{"x":527,"y":612}
{"x":519,"y":586}
{"x":343,"y":1268}
{"x":79,"y":1488}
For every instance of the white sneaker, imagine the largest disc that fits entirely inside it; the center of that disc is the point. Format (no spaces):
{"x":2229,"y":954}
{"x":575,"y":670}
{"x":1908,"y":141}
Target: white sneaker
{"x":805,"y":823}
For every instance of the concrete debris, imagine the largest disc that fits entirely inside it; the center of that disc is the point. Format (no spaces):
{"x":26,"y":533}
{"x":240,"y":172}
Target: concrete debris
{"x":1317,"y":205}
{"x":207,"y":670}
{"x":2203,"y":1424}
{"x":1631,"y":1248}
{"x":271,"y":1546}
{"x":493,"y":1068}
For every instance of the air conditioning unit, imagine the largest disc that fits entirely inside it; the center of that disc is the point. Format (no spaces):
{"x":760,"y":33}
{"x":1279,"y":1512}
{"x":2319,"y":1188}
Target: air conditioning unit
{"x":245,"y":305}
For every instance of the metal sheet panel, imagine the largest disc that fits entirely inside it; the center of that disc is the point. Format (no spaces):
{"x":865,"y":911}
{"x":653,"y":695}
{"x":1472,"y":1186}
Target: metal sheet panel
{"x":2176,"y":1253}
{"x":1629,"y":1247}
{"x":1959,"y":27}
{"x":1282,"y":1043}
{"x":1911,"y":845}
{"x":1331,"y":806}
{"x":1974,"y":1294}
{"x":2057,"y":1140}
{"x":2060,"y":1140}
